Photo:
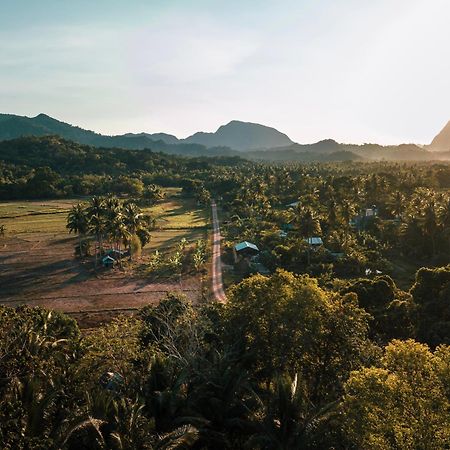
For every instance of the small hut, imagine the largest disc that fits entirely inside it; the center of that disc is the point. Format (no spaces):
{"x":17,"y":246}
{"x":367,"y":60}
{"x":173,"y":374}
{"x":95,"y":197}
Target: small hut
{"x":245,"y":250}
{"x":314,"y":242}
{"x":108,"y":261}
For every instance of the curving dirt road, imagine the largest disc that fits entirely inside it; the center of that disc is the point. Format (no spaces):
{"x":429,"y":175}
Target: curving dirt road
{"x":217,"y":284}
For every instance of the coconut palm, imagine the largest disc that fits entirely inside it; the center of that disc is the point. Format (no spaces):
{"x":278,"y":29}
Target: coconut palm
{"x":77,"y":222}
{"x":119,"y":234}
{"x":119,"y":423}
{"x":348,"y":211}
{"x":444,"y":217}
{"x":96,"y":222}
{"x":133,"y":219}
{"x":332,"y":213}
{"x":291,"y":421}
{"x":309,"y":223}
{"x":113,"y":216}
{"x":96,"y":226}
{"x":430,"y":224}
{"x":153,"y":193}
{"x":397,"y":204}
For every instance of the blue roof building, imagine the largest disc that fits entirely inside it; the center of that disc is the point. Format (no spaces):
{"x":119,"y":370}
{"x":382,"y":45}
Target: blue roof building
{"x":108,"y":261}
{"x":246,"y":246}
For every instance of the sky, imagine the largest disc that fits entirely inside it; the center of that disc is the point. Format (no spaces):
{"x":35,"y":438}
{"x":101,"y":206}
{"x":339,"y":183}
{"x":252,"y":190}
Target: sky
{"x":352,"y":70}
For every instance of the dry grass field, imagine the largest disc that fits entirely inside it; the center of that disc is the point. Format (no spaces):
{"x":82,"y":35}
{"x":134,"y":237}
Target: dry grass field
{"x":38,"y":267}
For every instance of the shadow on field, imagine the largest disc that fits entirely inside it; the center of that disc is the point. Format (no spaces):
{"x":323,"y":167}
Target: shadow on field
{"x":41,"y":277}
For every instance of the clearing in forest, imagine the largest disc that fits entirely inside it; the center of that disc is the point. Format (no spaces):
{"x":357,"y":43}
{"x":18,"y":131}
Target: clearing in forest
{"x":38,"y":267}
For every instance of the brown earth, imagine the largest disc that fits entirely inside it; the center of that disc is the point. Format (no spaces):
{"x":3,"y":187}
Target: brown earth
{"x":39,"y":269}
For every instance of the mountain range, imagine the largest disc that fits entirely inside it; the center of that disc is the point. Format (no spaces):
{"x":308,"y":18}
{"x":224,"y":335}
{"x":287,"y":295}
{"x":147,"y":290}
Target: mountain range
{"x":245,"y":139}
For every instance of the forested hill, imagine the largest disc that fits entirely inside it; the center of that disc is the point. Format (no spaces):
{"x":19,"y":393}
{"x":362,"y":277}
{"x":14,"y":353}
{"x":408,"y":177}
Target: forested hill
{"x":249,"y":140}
{"x":236,"y":135}
{"x":52,"y":167}
{"x":12,"y":127}
{"x":242,"y":136}
{"x":69,"y":157}
{"x":330,"y":150}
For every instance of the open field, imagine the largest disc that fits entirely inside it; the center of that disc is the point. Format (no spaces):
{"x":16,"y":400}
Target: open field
{"x":37,"y":264}
{"x":35,"y":216}
{"x":176,"y":218}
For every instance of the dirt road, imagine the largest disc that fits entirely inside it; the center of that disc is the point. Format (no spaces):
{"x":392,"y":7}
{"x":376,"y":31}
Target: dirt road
{"x":217,"y":284}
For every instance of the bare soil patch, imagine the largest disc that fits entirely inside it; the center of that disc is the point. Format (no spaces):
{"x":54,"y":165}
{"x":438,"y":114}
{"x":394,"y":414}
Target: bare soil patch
{"x":39,"y":269}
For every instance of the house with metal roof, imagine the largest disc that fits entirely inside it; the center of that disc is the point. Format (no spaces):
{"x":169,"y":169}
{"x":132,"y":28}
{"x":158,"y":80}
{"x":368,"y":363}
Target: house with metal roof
{"x":116,"y":254}
{"x":245,"y":250}
{"x":108,"y":261}
{"x":242,"y":246}
{"x":245,"y":245}
{"x":314,"y":241}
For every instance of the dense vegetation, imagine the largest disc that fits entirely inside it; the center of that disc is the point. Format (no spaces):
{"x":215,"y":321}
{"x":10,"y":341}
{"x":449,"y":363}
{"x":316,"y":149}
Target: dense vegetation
{"x":333,"y":350}
{"x":284,"y":364}
{"x":51,"y":167}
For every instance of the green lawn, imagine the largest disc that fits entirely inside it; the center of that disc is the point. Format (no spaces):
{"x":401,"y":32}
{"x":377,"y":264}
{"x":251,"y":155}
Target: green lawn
{"x":177,"y":217}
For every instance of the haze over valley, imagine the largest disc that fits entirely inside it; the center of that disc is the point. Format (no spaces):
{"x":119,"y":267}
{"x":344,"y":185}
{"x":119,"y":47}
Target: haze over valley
{"x":249,"y":140}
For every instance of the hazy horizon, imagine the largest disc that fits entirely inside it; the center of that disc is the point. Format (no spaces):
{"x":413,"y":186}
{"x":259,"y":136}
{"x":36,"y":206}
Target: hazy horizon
{"x":349,"y":70}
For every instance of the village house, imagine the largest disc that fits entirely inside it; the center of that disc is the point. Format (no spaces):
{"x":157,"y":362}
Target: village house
{"x":108,"y":261}
{"x":245,"y":250}
{"x":314,"y":242}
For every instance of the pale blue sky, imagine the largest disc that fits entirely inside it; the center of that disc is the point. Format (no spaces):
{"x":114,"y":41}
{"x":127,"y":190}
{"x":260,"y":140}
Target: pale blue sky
{"x":352,"y":70}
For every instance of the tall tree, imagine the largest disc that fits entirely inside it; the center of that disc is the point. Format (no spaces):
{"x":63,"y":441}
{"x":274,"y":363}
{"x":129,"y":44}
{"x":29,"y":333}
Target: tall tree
{"x":77,"y":222}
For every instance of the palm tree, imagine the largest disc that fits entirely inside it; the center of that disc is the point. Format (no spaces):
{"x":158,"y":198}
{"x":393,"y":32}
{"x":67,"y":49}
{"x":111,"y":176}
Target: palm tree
{"x":120,"y":424}
{"x":430,"y":223}
{"x":97,"y":227}
{"x":291,"y":420}
{"x":332,"y":215}
{"x":153,"y":193}
{"x":77,"y":222}
{"x":96,"y":222}
{"x":398,"y":204}
{"x":119,"y":234}
{"x":444,"y":217}
{"x":220,"y":401}
{"x":133,"y":219}
{"x":309,"y":223}
{"x":348,"y":211}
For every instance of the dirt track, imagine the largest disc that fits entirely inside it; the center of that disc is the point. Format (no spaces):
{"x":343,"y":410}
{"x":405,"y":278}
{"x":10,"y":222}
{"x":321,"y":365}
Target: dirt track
{"x":217,"y":284}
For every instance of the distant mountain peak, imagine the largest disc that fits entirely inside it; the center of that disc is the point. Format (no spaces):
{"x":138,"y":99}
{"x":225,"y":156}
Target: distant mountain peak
{"x":232,"y":139}
{"x":442,"y":140}
{"x":241,"y":135}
